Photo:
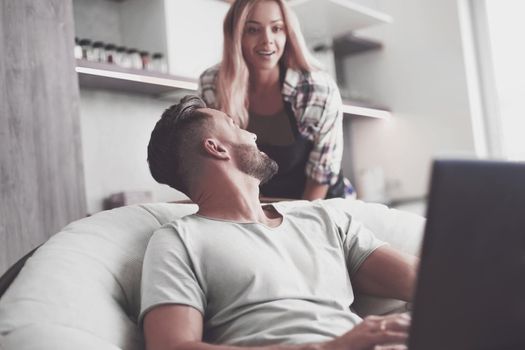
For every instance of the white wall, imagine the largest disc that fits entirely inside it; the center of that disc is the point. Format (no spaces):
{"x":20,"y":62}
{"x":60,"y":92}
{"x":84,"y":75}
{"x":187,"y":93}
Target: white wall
{"x":420,"y":75}
{"x":115,"y":133}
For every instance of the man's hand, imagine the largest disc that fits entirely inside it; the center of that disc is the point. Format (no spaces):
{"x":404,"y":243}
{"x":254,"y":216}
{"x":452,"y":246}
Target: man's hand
{"x":374,"y":333}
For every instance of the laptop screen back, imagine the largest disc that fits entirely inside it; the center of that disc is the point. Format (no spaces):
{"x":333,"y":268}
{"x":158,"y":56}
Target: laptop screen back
{"x":470,"y":292}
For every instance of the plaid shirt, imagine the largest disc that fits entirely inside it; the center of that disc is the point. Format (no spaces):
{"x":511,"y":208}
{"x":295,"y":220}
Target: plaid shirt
{"x":317,"y":106}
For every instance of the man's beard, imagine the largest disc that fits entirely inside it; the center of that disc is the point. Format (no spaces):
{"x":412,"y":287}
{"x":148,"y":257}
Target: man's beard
{"x":255,"y":163}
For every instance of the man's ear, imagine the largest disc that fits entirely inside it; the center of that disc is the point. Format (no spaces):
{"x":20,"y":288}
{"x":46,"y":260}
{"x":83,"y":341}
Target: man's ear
{"x":215,"y":149}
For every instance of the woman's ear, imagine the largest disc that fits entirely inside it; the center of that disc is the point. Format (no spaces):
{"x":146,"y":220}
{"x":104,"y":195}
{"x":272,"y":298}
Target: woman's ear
{"x":216,"y":149}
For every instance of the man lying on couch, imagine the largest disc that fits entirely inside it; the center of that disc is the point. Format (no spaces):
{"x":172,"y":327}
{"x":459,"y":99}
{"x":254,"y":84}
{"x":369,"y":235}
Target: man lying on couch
{"x":238,"y":274}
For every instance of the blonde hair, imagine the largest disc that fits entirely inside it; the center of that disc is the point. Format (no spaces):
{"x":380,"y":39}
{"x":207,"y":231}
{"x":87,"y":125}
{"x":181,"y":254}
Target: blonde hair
{"x":233,"y":77}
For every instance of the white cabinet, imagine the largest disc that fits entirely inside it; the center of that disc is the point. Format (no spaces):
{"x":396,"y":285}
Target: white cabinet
{"x":330,"y":19}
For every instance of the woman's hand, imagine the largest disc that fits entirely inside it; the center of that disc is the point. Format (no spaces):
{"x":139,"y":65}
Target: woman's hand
{"x":314,"y":190}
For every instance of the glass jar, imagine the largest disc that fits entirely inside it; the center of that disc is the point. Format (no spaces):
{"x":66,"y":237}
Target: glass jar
{"x":78,"y":49}
{"x":85,"y":44}
{"x":158,"y":63}
{"x":110,"y":50}
{"x":134,"y":59}
{"x":99,"y":53}
{"x":120,"y":56}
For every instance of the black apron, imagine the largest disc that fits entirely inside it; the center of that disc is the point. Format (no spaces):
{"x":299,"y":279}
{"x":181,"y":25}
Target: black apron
{"x":290,"y":180}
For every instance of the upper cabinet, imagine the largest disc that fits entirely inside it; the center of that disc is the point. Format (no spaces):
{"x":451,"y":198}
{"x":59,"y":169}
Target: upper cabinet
{"x":329,"y":28}
{"x":330,"y":19}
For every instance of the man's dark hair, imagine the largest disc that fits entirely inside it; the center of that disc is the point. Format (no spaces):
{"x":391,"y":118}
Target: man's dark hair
{"x":174,"y":143}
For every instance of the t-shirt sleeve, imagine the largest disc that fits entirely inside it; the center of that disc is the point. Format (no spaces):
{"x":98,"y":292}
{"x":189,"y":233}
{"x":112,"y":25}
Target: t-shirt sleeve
{"x":358,"y":241}
{"x":167,"y":274}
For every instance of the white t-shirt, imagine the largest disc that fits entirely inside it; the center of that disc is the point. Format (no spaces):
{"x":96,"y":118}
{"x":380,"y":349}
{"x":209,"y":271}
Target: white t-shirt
{"x":257,"y":285}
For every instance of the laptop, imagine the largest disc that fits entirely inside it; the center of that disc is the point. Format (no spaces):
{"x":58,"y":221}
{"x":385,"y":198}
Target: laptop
{"x":470,"y":293}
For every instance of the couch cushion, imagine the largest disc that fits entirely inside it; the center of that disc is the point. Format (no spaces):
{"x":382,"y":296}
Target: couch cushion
{"x":87,"y":277}
{"x":84,"y":282}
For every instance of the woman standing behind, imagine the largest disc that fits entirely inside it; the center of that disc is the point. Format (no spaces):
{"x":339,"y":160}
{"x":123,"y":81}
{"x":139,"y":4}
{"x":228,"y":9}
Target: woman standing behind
{"x":267,"y":82}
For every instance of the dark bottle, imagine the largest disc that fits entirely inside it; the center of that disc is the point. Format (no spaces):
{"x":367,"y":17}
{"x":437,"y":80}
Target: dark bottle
{"x":110,"y":53}
{"x":145,"y":57}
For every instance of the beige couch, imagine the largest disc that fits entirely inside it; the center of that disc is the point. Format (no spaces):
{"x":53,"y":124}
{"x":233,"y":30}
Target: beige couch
{"x":81,"y":289}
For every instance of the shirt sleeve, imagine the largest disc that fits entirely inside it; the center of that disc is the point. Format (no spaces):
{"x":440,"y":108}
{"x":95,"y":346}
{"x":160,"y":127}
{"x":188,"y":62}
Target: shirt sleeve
{"x":358,"y":241}
{"x":206,"y":89}
{"x":324,"y":162}
{"x":167,"y":274}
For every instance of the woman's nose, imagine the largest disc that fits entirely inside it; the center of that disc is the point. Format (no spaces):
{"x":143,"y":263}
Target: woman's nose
{"x":267,"y":36}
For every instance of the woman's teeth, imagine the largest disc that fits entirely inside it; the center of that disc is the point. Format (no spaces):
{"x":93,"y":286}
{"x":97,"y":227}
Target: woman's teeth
{"x":266,"y":53}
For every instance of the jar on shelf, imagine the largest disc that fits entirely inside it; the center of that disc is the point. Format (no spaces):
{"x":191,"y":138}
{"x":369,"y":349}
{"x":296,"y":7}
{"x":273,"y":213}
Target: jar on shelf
{"x":120,"y":56}
{"x":145,"y":58}
{"x":158,"y":63}
{"x":78,"y":49}
{"x":110,"y":50}
{"x":99,"y":54}
{"x":134,"y":59}
{"x":85,"y":44}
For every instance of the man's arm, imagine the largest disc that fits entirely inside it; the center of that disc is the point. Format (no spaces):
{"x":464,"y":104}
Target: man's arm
{"x":179,"y":327}
{"x":387,"y":273}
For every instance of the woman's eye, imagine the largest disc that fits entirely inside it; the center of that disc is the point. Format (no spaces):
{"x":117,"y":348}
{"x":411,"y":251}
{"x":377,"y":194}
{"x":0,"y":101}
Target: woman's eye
{"x":277,"y":29}
{"x":251,"y":30}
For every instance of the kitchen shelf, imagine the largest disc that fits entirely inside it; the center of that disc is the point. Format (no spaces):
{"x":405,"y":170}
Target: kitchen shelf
{"x":322,"y":19}
{"x":105,"y":76}
{"x":111,"y":77}
{"x":365,"y":109}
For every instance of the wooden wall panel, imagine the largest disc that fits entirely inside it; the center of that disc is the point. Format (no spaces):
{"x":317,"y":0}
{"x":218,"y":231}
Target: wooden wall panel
{"x":41,"y":172}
